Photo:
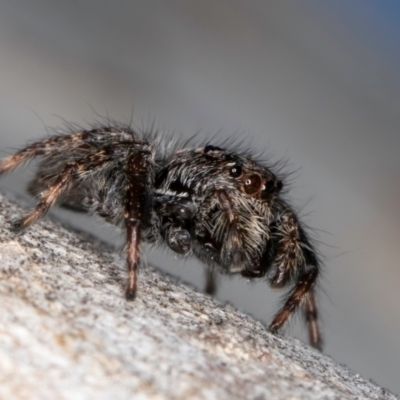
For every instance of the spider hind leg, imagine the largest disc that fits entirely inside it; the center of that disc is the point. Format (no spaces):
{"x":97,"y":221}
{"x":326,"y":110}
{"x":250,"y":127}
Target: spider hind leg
{"x":71,"y":171}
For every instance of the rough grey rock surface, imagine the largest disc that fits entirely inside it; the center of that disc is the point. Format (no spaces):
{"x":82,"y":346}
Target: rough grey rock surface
{"x":66,"y":332}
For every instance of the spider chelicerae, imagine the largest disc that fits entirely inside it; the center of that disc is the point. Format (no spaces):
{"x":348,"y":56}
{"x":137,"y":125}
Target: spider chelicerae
{"x":219,"y":205}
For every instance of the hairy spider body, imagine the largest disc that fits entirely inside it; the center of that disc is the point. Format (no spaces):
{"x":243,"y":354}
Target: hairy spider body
{"x":220,"y":206}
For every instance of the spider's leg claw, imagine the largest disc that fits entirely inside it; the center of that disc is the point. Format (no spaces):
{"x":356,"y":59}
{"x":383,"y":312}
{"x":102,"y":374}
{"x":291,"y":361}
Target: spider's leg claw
{"x":17,"y":226}
{"x":273,"y":328}
{"x":130,"y":294}
{"x":317,"y":345}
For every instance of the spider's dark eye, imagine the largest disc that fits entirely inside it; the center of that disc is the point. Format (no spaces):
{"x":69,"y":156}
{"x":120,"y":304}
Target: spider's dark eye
{"x":252,"y":184}
{"x":270,"y":187}
{"x":235,"y":171}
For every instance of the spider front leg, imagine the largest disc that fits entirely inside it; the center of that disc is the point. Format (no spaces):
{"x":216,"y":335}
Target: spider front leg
{"x":312,"y":320}
{"x":302,"y":292}
{"x":138,"y":178}
{"x":296,"y":258}
{"x":289,"y":256}
{"x":232,"y":250}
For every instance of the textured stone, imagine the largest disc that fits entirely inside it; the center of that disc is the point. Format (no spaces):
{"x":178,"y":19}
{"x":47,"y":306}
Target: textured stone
{"x":66,"y":332}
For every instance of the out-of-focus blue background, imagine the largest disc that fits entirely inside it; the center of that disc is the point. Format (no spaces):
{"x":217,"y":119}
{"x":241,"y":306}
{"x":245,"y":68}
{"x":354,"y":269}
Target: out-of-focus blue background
{"x":316,"y":81}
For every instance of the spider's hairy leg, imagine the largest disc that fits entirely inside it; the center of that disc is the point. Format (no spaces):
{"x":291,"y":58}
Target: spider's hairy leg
{"x":289,"y":256}
{"x":85,"y":140}
{"x":295,"y":257}
{"x":45,"y":177}
{"x":47,"y":147}
{"x":232,"y":250}
{"x":70,"y":172}
{"x":137,"y":170}
{"x":301,"y":291}
{"x":310,"y":305}
{"x":311,"y":315}
{"x":211,"y":281}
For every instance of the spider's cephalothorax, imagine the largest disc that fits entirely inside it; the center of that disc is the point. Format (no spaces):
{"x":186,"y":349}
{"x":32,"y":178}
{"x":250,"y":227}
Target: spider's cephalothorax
{"x":220,"y":206}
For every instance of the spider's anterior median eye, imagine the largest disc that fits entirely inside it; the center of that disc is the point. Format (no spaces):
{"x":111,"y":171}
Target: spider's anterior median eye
{"x":252,"y":184}
{"x":235,"y":171}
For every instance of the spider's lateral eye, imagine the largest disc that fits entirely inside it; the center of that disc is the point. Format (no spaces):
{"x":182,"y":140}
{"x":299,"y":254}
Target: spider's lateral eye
{"x":269,"y":186}
{"x":235,"y":171}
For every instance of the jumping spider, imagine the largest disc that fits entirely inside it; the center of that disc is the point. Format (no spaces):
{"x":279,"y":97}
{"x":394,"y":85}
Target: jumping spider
{"x":221,"y":206}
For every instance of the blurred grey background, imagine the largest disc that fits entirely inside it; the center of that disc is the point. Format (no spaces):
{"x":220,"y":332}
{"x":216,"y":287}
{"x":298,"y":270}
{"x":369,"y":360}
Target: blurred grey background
{"x":318,"y":82}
